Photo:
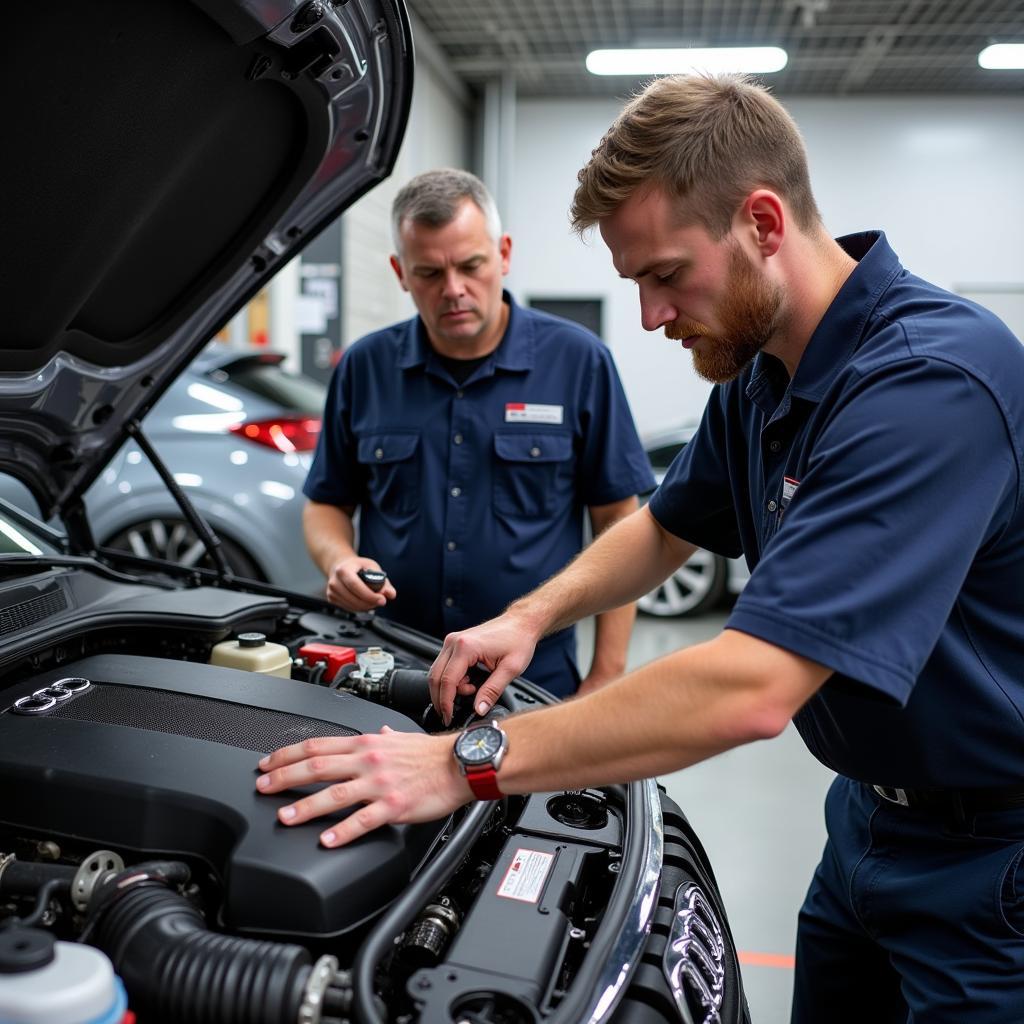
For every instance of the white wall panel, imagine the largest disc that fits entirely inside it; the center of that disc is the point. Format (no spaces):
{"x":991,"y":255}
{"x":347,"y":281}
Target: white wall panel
{"x":437,"y":136}
{"x":940,"y":175}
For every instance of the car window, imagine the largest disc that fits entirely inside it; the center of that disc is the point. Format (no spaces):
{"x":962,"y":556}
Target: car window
{"x":17,"y":537}
{"x":16,"y":540}
{"x":291,"y":391}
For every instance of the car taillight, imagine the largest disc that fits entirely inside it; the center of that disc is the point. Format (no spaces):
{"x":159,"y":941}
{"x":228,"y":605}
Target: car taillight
{"x":285,"y":434}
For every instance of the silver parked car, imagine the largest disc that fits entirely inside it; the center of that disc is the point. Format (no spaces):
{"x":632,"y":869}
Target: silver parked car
{"x":237,"y":432}
{"x":706,"y":579}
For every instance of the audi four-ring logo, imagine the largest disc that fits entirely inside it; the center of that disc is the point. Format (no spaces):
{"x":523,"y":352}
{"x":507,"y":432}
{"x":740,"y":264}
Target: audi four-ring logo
{"x":695,"y":956}
{"x":50,"y":696}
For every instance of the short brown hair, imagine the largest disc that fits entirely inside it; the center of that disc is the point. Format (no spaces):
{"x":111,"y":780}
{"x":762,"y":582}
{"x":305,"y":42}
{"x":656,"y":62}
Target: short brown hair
{"x":709,"y":139}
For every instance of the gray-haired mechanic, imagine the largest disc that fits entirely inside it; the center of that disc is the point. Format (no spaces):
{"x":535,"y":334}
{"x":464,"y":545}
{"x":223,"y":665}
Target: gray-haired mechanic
{"x":473,"y":439}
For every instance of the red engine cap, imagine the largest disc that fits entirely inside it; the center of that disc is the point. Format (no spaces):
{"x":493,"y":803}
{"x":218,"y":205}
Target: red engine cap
{"x":331,"y":654}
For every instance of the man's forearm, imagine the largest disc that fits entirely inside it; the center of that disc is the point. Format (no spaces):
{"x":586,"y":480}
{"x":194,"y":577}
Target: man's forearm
{"x":330,"y":534}
{"x":674,"y":712}
{"x":612,"y":630}
{"x":626,"y":561}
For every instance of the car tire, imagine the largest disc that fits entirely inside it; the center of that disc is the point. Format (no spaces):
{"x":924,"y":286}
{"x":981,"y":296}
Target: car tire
{"x":174,"y":540}
{"x":695,"y":587}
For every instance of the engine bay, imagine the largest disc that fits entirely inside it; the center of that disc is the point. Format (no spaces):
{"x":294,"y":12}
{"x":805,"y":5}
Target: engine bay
{"x":130,"y":822}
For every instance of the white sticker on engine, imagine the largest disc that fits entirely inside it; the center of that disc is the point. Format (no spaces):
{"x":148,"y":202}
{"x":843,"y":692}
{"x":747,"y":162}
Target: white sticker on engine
{"x":526,"y":875}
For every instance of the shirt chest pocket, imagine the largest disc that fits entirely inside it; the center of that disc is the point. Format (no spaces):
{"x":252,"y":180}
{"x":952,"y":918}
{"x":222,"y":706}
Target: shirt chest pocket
{"x":392,"y":467}
{"x":533,"y":473}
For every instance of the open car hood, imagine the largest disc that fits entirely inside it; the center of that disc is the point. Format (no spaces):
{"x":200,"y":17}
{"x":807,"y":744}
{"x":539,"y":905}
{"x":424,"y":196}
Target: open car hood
{"x":165,"y":159}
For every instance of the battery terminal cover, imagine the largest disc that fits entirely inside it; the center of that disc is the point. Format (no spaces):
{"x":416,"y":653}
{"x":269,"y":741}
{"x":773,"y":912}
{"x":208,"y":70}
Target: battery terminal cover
{"x":331,"y":655}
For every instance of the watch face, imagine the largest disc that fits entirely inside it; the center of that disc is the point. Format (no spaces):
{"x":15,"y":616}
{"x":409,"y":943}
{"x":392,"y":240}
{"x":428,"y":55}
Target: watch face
{"x":479,"y":746}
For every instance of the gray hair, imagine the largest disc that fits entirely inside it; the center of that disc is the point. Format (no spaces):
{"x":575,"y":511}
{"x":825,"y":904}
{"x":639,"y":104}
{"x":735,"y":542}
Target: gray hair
{"x":433,"y":198}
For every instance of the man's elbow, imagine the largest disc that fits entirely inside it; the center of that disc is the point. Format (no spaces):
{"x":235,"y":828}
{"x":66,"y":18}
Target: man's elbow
{"x":763,"y":721}
{"x":767,"y":685}
{"x":759,"y":713}
{"x":602,"y":517}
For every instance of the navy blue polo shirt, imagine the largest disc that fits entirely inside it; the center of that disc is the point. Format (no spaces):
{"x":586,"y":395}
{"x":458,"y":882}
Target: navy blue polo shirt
{"x":878,"y":500}
{"x":472,"y":494}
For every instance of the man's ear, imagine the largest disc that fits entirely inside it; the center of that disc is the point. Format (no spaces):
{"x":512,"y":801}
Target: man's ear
{"x":763,"y":218}
{"x":396,"y":266}
{"x":505,"y":251}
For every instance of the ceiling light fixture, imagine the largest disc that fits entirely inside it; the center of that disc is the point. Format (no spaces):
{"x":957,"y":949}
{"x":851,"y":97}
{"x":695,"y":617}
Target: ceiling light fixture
{"x":1002,"y":57}
{"x":664,"y":61}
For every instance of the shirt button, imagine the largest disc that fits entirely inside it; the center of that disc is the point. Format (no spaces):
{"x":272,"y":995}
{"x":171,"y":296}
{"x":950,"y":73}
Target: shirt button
{"x":456,"y":491}
{"x":772,"y":505}
{"x":449,"y":601}
{"x":535,"y":451}
{"x":457,"y":439}
{"x":775,"y":446}
{"x":452,"y":545}
{"x":379,"y":453}
{"x":459,"y":393}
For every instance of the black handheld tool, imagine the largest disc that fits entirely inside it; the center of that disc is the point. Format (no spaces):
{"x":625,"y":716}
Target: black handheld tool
{"x":373,"y":578}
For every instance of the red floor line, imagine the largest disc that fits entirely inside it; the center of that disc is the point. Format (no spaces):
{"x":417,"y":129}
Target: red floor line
{"x":752,"y":959}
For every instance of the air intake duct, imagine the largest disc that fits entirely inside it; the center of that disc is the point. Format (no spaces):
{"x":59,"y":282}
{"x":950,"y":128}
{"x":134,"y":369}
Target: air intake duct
{"x":175,"y":970}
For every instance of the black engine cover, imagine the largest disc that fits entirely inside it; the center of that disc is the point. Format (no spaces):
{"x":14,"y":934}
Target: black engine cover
{"x":159,"y":757}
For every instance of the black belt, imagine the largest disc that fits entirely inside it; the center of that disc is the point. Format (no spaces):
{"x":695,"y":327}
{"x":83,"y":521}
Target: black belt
{"x":959,"y":802}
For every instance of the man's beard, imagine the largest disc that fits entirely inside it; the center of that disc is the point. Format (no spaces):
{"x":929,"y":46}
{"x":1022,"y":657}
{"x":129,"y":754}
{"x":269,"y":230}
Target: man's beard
{"x":748,"y":315}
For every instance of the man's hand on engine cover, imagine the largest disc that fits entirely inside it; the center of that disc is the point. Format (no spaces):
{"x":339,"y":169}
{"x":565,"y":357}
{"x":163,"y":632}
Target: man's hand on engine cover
{"x":398,"y":778}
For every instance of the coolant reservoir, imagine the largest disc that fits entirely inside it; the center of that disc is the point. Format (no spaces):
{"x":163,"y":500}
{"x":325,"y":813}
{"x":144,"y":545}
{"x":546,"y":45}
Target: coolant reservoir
{"x":47,"y":982}
{"x":254,"y":653}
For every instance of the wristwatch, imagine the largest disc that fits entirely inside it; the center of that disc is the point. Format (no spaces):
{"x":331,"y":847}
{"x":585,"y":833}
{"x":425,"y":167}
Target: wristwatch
{"x":480,"y":750}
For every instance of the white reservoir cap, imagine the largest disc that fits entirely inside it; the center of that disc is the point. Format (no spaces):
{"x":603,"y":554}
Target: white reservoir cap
{"x":77,"y":987}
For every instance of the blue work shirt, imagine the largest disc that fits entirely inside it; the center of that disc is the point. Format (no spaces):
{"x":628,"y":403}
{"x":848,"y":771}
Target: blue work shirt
{"x":472,"y":494}
{"x":878,"y":500}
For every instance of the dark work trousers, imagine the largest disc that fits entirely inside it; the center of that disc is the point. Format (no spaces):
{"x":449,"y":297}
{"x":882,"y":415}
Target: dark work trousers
{"x":911,"y":919}
{"x":554,"y":666}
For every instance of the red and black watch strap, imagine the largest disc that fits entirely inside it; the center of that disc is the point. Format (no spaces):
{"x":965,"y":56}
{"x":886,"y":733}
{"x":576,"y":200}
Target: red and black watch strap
{"x":484,"y":783}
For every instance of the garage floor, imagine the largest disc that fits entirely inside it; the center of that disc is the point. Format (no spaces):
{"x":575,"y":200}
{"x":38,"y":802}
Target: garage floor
{"x":758,"y":811}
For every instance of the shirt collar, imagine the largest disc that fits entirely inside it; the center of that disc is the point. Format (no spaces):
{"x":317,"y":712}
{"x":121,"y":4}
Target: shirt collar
{"x":839,"y":332}
{"x":515,"y":352}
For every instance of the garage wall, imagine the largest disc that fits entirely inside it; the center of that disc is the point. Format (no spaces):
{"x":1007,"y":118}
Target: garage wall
{"x":438,"y":135}
{"x":939,"y":175}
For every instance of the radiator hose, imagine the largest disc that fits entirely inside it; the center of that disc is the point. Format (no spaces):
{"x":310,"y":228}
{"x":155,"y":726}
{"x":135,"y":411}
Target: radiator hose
{"x":176,"y":970}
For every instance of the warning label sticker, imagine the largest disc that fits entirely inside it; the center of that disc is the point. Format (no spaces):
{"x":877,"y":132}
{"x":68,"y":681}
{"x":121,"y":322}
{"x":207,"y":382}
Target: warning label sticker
{"x":526,"y":875}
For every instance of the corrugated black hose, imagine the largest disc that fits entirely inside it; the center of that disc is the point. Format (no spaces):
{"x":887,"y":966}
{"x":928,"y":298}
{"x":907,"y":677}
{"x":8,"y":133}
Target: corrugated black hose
{"x":176,"y":970}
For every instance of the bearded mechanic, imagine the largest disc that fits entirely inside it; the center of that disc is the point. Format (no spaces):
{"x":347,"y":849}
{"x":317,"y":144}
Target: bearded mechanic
{"x":862,"y":449}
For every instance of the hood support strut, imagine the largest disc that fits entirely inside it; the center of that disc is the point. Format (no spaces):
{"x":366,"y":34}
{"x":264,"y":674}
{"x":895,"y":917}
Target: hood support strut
{"x":210,"y":540}
{"x":76,"y":522}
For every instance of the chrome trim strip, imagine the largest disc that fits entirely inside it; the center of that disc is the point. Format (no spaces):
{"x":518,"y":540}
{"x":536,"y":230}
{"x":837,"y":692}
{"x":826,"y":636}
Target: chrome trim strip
{"x":630,"y":944}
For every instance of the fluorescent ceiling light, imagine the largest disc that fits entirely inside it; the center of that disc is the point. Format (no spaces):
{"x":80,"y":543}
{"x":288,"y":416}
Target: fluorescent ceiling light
{"x":663,"y":61}
{"x":1002,"y":56}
